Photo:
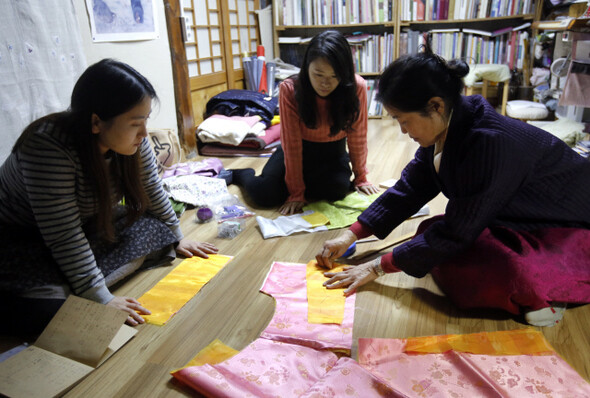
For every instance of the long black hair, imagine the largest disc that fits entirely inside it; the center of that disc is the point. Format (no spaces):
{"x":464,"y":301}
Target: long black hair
{"x":344,"y":104}
{"x":108,"y":89}
{"x":411,"y":81}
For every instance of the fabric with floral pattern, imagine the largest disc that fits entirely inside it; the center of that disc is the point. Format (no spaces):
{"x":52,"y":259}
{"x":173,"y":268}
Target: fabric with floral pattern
{"x":286,"y":283}
{"x":461,"y":374}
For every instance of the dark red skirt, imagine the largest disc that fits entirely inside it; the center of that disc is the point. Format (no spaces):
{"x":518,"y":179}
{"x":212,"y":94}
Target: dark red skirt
{"x":518,"y":271}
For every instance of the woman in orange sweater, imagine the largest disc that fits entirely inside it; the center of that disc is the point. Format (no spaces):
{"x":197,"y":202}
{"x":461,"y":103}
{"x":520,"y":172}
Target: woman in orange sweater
{"x":323,"y":110}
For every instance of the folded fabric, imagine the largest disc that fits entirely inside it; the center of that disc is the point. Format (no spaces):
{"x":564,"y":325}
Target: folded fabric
{"x":287,"y":225}
{"x":196,"y":190}
{"x":236,"y":102}
{"x":265,"y":368}
{"x":286,"y":283}
{"x":345,"y":212}
{"x":499,"y":364}
{"x":229,"y":129}
{"x":208,"y":167}
{"x":269,"y":136}
{"x":215,"y":352}
{"x":268,"y":368}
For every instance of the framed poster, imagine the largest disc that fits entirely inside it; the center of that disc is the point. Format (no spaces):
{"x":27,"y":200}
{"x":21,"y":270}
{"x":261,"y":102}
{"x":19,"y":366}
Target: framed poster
{"x":122,"y":20}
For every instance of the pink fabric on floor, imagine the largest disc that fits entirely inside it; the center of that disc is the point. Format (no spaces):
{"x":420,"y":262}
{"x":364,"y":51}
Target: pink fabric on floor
{"x":265,"y":368}
{"x":349,"y":379}
{"x":208,"y":167}
{"x":518,"y":271}
{"x":457,"y":374}
{"x":269,"y":368}
{"x":286,"y":283}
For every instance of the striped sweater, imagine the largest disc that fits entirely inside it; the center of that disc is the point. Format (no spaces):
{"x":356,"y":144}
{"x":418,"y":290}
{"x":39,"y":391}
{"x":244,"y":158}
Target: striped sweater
{"x":495,"y":171}
{"x":42,"y":185}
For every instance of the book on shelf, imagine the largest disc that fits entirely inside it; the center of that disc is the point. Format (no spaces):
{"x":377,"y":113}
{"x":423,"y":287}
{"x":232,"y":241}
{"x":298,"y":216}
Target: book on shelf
{"x":477,"y":32}
{"x":522,"y":27}
{"x":289,"y":40}
{"x":502,"y":31}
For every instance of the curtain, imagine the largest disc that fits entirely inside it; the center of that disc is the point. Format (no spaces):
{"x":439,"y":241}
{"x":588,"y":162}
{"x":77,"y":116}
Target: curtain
{"x":41,"y":57}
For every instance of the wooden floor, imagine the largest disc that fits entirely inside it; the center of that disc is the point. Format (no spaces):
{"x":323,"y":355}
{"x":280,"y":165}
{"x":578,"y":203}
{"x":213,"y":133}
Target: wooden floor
{"x":231,"y":308}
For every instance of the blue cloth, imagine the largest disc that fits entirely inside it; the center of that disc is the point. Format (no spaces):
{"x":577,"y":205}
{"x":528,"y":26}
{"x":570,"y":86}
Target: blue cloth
{"x":495,"y":171}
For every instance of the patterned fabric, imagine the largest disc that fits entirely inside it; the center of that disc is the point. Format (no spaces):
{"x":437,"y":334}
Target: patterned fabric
{"x":171,"y":293}
{"x":293,"y":131}
{"x":461,"y":374}
{"x":286,"y":283}
{"x":269,"y":368}
{"x":26,"y":262}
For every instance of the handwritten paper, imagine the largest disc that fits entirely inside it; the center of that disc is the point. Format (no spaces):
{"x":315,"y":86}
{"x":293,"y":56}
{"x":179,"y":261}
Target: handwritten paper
{"x":81,"y":336}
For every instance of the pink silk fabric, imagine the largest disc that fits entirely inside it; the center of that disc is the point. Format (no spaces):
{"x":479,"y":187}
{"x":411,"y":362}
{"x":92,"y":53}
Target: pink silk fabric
{"x":460,"y":374}
{"x":269,"y":368}
{"x":286,"y":283}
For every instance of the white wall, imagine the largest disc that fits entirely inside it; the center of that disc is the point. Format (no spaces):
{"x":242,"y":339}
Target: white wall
{"x":150,"y":57}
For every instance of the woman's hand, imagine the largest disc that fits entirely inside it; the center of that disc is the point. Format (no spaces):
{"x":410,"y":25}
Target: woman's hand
{"x":289,"y":208}
{"x":188,"y":248}
{"x":353,"y":277}
{"x":334,"y":249}
{"x":367,"y":189}
{"x":130,"y":306}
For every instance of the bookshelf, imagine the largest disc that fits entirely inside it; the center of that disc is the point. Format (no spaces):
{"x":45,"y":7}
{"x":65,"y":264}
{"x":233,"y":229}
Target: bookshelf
{"x":478,"y":31}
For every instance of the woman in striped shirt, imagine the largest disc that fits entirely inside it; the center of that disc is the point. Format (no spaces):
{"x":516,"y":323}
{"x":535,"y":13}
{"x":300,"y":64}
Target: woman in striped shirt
{"x":62,"y":229}
{"x":322,"y":109}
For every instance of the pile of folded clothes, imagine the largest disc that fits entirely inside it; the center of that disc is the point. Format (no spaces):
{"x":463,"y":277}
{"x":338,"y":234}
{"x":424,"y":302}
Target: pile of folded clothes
{"x":239,"y":123}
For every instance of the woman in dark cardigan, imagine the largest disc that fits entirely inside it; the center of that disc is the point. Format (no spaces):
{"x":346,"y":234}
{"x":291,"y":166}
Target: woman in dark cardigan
{"x":515,"y":231}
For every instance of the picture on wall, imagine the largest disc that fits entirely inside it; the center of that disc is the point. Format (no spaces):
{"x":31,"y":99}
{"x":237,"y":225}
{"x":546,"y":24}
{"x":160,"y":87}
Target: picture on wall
{"x":122,"y":20}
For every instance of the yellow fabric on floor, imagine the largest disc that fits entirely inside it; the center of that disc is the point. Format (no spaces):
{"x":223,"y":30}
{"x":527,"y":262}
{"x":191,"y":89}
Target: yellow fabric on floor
{"x":316,"y":219}
{"x":179,"y":286}
{"x":215,"y":352}
{"x":512,"y":342}
{"x":324,"y":305}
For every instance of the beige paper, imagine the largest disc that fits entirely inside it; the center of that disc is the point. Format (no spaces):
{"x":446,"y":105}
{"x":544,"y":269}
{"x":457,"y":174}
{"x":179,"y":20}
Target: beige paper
{"x":81,"y":336}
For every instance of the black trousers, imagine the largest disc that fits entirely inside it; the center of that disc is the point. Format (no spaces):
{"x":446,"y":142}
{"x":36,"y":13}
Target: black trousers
{"x":24,"y":316}
{"x":326,"y":174}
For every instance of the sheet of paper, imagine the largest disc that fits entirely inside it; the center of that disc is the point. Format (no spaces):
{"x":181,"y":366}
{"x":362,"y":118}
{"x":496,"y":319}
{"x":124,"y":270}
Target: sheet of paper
{"x":82,"y":330}
{"x":37,"y":373}
{"x":123,"y":336}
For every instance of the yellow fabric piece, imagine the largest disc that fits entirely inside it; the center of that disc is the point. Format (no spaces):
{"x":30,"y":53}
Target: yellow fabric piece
{"x":179,"y":286}
{"x":215,"y":352}
{"x":512,"y":342}
{"x":275,"y":120}
{"x":323,"y":305}
{"x":316,"y":219}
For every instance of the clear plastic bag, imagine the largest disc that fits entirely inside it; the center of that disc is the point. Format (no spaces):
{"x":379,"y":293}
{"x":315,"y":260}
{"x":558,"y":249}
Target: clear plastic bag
{"x":231,"y":215}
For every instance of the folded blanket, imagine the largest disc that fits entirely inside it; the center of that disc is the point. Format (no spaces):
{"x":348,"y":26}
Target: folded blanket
{"x":229,"y":129}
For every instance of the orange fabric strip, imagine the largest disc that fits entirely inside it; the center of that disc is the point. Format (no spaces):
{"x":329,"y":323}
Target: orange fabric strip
{"x":512,"y":342}
{"x":174,"y":290}
{"x":324,"y":305}
{"x":215,"y":352}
